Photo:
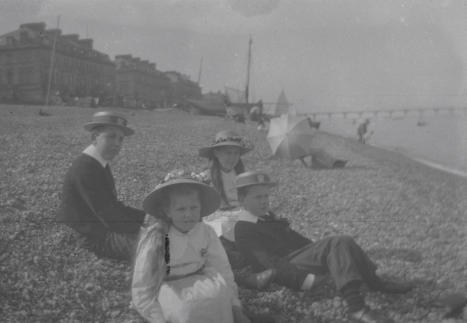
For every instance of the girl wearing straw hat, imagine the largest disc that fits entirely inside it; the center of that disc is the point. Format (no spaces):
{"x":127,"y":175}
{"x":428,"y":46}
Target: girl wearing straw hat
{"x":181,"y":272}
{"x":225,"y":163}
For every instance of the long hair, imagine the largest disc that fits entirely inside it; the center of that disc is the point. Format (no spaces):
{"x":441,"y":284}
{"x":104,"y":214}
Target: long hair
{"x":216,"y":177}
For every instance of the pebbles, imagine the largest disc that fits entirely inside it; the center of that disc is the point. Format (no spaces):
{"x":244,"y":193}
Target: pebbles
{"x":411,"y":218}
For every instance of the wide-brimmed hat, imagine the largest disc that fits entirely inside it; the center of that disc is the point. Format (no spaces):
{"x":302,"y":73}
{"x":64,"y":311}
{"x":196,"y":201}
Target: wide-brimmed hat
{"x":210,"y":198}
{"x":226,"y":138}
{"x":109,"y":118}
{"x":253,"y":178}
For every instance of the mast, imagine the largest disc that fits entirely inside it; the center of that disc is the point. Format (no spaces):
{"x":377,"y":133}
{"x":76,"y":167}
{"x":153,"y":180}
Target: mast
{"x":52,"y":61}
{"x":200,"y":69}
{"x":247,"y":89}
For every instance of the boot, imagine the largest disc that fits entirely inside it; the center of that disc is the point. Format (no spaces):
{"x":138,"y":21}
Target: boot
{"x":258,"y":281}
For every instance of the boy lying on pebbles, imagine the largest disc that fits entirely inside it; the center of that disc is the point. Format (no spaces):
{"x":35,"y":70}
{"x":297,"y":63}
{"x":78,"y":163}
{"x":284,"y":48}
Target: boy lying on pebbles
{"x":268,"y":242}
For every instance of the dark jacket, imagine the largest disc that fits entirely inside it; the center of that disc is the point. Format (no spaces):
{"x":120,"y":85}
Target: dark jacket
{"x":89,"y":201}
{"x":270,"y":244}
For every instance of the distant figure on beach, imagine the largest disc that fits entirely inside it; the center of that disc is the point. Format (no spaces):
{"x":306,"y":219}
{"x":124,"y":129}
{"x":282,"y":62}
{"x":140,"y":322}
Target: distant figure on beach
{"x":313,"y":124}
{"x":255,"y":113}
{"x":89,"y":203}
{"x":299,"y":263}
{"x":321,"y":159}
{"x":362,"y":130}
{"x":181,"y":272}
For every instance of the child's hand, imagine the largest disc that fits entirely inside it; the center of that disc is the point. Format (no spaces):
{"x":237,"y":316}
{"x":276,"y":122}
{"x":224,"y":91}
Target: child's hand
{"x":239,"y":316}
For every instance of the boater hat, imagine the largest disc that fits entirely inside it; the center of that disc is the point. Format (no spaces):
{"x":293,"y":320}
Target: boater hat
{"x":210,"y":198}
{"x":109,"y":118}
{"x":253,"y":178}
{"x":226,"y":138}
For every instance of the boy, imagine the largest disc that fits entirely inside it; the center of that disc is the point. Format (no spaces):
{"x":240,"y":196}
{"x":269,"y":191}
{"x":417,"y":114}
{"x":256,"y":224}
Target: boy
{"x":269,"y":243}
{"x":89,"y":203}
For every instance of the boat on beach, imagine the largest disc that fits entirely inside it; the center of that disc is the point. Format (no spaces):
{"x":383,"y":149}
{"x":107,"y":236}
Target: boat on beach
{"x":233,"y":103}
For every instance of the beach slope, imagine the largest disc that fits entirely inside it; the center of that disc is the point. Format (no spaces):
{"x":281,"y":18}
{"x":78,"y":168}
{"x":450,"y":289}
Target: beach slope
{"x":410,"y":218}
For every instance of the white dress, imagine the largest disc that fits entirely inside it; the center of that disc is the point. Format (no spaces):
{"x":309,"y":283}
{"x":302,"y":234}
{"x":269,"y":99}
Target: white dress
{"x":200,"y":287}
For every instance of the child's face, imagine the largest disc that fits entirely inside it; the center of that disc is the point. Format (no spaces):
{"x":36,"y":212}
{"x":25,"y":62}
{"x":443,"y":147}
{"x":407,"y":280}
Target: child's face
{"x":256,"y":200}
{"x":109,"y":142}
{"x":184,"y":210}
{"x":228,"y":157}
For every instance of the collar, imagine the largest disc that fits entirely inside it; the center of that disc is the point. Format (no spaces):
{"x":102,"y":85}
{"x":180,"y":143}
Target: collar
{"x":177,"y":232}
{"x":231,"y":173}
{"x":247,"y":216}
{"x":92,"y":152}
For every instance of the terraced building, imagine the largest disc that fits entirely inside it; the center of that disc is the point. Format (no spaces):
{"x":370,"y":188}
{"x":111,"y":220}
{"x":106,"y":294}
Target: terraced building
{"x":25,"y":66}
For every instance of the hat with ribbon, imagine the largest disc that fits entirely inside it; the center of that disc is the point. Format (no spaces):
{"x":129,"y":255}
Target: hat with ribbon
{"x":253,"y":178}
{"x":109,"y":118}
{"x":210,"y":198}
{"x":226,"y":138}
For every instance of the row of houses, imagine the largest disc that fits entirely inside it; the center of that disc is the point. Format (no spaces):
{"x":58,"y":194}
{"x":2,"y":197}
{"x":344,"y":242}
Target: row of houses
{"x":79,"y":71}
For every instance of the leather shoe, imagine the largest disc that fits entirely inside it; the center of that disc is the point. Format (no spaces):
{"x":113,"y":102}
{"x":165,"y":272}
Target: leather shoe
{"x":260,"y":280}
{"x":367,"y":315}
{"x":392,"y":287}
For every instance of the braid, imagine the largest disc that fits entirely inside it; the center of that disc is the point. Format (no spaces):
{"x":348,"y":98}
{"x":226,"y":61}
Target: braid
{"x":167,"y":253}
{"x":239,"y":168}
{"x":216,"y":178}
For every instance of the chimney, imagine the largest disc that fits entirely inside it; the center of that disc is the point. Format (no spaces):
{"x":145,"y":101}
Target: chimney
{"x":53,"y":32}
{"x":72,"y":37}
{"x":86,"y":43}
{"x":123,"y":57}
{"x":36,"y":26}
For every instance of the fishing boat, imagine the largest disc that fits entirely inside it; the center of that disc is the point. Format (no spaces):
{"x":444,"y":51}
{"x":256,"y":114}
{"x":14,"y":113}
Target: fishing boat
{"x":233,"y":103}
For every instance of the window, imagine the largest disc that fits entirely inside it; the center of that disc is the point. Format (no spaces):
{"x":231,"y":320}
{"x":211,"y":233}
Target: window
{"x":9,"y":77}
{"x":25,"y":74}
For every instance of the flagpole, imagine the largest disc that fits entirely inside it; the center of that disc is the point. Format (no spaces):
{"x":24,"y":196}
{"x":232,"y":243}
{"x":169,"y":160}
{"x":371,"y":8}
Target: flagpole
{"x":247,"y":88}
{"x":52,"y":61}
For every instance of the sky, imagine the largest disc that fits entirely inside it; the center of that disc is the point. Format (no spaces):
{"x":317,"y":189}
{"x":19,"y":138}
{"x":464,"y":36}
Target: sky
{"x":333,"y":55}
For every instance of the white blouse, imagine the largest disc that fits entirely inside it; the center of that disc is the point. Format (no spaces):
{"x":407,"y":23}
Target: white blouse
{"x":198,"y":250}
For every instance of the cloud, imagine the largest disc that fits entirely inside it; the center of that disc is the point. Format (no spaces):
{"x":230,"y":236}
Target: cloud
{"x":204,"y":16}
{"x":251,"y":8}
{"x":20,"y":6}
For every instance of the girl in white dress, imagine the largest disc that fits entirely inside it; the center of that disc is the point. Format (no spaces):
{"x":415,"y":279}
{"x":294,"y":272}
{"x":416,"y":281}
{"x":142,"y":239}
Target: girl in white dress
{"x":181,"y":273}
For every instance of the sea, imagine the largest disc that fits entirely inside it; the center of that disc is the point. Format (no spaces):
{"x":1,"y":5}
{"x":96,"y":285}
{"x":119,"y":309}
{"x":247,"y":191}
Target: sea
{"x":439,"y":140}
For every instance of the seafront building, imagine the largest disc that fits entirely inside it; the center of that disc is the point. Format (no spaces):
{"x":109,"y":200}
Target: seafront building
{"x":182,"y":88}
{"x":78,"y":71}
{"x":139,"y":83}
{"x":82,"y":74}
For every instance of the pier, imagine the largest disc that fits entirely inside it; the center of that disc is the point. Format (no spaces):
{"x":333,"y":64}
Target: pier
{"x":388,"y":113}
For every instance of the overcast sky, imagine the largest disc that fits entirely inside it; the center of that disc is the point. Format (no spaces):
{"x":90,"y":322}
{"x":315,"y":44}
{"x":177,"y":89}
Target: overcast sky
{"x":334,"y":54}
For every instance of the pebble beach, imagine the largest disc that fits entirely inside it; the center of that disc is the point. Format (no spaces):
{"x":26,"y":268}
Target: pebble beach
{"x":409,"y":217}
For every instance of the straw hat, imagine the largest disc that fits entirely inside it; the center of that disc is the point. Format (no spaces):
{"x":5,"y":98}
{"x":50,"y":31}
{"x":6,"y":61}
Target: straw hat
{"x":226,"y":138}
{"x":210,"y":198}
{"x":253,"y":178}
{"x":109,"y":118}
